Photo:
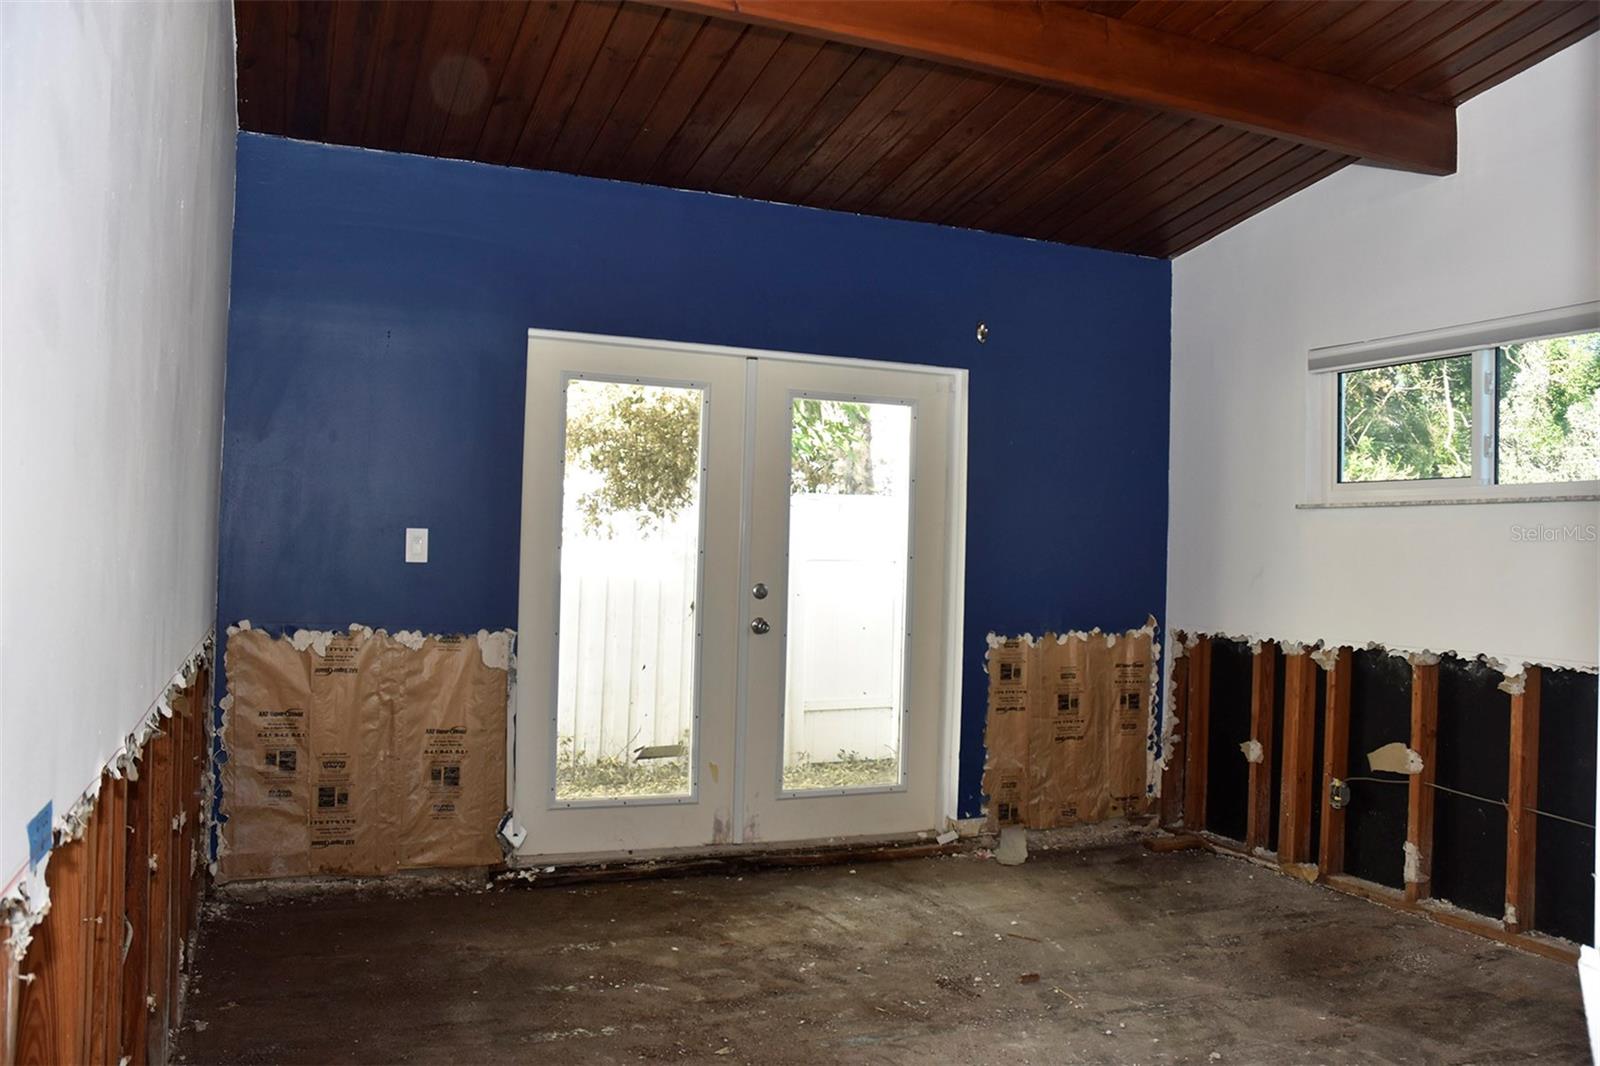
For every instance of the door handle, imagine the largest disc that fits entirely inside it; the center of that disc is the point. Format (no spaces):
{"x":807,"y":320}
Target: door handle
{"x":760,"y":626}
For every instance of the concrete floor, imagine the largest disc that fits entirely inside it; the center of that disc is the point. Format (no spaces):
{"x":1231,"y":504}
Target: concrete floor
{"x":1140,"y":958}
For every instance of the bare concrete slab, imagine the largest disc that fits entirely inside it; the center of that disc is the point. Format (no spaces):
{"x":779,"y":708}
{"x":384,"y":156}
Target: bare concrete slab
{"x":1108,"y":955}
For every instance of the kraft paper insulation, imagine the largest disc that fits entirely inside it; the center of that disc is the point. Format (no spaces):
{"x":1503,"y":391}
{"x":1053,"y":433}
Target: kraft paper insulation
{"x":360,"y":753}
{"x":265,"y":779}
{"x":1133,"y":686}
{"x":1012,"y":666}
{"x":449,"y":769}
{"x":1069,"y":728}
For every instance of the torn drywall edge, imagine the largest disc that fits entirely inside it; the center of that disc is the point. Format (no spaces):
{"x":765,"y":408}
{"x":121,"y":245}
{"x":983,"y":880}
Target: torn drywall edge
{"x":1514,"y":684}
{"x":315,"y":639}
{"x":497,"y":648}
{"x":994,"y":640}
{"x":1325,"y":652}
{"x":1150,"y":629}
{"x":1155,"y":747}
{"x":25,"y":903}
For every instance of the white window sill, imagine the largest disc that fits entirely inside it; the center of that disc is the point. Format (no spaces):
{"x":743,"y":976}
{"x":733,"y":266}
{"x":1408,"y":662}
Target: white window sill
{"x":1447,"y":501}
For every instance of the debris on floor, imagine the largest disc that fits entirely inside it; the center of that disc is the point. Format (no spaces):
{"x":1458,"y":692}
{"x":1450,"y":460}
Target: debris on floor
{"x":1177,"y":956}
{"x":1013,"y":849}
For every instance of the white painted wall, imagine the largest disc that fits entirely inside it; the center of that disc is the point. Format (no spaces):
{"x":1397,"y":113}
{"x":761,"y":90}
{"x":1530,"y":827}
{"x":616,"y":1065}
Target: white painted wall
{"x":1372,"y":253}
{"x":117,"y":128}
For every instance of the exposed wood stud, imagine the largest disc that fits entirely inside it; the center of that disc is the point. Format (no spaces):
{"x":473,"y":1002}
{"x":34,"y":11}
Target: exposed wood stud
{"x":159,"y":871}
{"x":51,"y":1003}
{"x":1523,"y":797}
{"x":8,"y":996}
{"x":1419,"y":808}
{"x":1299,"y":754}
{"x":1197,"y":733}
{"x":109,"y":840}
{"x":1172,"y":774}
{"x":1263,"y":675}
{"x":136,"y":906}
{"x":1335,"y":763}
{"x":103,"y":965}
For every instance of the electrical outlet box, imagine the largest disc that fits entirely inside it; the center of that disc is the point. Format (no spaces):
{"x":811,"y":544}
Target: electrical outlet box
{"x":416,"y":545}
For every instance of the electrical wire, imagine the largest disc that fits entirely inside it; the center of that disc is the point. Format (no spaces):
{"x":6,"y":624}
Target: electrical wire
{"x":1470,"y":795}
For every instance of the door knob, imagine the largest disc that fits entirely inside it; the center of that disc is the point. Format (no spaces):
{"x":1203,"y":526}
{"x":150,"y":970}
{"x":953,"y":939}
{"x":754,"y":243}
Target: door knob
{"x":760,"y":626}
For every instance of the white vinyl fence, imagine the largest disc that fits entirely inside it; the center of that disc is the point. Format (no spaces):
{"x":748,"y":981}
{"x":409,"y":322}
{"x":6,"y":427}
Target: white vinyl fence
{"x":628,"y":615}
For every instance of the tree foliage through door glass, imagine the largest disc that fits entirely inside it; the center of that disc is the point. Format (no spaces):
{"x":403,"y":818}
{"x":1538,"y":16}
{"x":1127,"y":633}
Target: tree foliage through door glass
{"x":644,"y":442}
{"x":831,"y":448}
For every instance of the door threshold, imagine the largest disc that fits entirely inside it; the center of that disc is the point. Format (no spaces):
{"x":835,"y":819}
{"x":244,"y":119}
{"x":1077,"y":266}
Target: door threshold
{"x":724,"y":859}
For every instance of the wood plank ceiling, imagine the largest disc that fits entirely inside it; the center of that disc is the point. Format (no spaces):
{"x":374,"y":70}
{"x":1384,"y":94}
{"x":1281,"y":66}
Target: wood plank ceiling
{"x":671,"y":96}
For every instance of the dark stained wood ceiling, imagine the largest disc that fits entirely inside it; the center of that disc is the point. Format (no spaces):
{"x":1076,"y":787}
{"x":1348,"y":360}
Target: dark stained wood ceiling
{"x":673,"y":97}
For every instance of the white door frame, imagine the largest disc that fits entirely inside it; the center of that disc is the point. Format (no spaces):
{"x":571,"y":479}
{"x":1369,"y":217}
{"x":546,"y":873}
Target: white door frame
{"x":948,"y":795}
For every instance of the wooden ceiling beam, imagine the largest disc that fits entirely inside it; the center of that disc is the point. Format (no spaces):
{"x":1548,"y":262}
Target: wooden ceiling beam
{"x":1070,"y":48}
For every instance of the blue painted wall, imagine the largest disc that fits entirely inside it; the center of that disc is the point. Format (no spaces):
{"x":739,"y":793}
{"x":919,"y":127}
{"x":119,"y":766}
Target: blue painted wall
{"x":380,"y":308}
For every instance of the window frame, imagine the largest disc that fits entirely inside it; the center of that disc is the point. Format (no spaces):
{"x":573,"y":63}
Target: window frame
{"x":1480,"y":340}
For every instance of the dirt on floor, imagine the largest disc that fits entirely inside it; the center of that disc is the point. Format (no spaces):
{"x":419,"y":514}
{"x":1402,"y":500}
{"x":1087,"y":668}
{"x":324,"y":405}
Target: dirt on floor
{"x":1106,"y":955}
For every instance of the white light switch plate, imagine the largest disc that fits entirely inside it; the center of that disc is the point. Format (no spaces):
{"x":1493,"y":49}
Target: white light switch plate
{"x":416,"y":545}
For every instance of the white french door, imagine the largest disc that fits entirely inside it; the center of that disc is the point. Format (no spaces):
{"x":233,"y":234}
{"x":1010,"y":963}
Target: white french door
{"x":734,"y":609}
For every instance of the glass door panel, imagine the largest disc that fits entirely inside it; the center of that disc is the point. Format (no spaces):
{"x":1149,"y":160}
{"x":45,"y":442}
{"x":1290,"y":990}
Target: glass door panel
{"x":630,"y":581}
{"x":627,"y":683}
{"x":845,"y":601}
{"x":849,"y":537}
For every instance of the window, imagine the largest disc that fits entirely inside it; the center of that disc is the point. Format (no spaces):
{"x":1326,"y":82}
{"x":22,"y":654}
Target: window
{"x":1547,"y":410}
{"x":1407,"y":422}
{"x":1496,"y":410}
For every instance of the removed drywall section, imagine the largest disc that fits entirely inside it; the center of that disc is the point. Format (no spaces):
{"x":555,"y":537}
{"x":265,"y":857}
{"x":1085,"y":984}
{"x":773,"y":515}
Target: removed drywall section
{"x":361,"y":753}
{"x":1375,"y":820}
{"x":97,"y":947}
{"x":1473,"y":756}
{"x":1437,"y":816}
{"x":1227,"y":768}
{"x":1071,"y":727}
{"x":1279,"y":704}
{"x":1564,"y":863}
{"x":1319,"y":750}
